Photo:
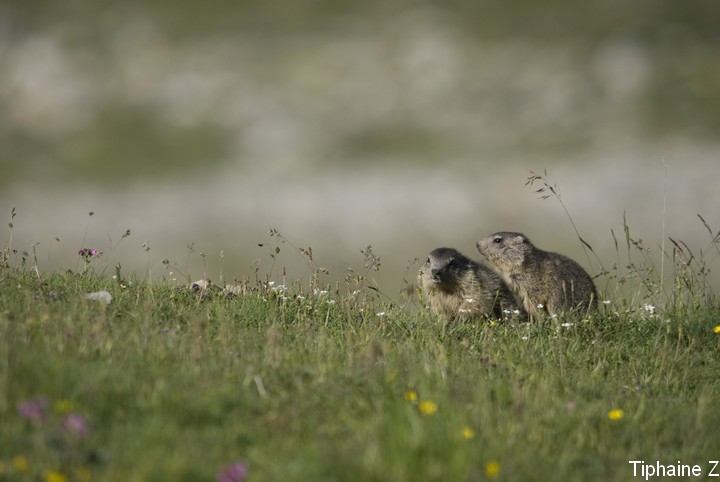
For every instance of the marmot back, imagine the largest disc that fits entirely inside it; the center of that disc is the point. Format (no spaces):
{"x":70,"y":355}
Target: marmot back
{"x":543,"y":281}
{"x":457,"y":287}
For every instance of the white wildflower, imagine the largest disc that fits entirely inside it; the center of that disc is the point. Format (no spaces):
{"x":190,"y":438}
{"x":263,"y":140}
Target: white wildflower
{"x":567,"y":325}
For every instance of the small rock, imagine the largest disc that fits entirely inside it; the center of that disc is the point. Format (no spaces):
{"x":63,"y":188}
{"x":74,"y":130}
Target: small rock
{"x":233,"y":290}
{"x":201,"y":285}
{"x":102,"y":296}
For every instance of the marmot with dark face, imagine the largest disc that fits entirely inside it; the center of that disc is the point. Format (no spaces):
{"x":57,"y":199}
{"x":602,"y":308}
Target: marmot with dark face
{"x":542,"y":281}
{"x":457,"y":287}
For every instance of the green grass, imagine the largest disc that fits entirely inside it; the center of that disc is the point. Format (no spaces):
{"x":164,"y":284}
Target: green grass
{"x":177,"y":384}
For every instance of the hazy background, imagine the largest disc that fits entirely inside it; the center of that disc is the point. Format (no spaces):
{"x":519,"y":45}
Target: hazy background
{"x":403,"y":125}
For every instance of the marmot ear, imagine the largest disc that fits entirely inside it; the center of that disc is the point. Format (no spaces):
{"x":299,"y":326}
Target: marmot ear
{"x":519,"y":239}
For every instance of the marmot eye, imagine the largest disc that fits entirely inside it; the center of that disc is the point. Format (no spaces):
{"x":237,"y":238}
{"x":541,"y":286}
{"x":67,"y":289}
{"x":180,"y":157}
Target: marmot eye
{"x":497,"y":239}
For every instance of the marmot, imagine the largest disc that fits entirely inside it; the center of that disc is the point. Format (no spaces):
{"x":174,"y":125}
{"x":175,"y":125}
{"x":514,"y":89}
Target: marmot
{"x":459,"y":288}
{"x":542,"y":281}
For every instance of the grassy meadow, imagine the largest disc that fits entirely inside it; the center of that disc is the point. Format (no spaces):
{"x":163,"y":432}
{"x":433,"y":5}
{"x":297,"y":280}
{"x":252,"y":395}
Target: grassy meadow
{"x":299,"y":381}
{"x":402,"y":124}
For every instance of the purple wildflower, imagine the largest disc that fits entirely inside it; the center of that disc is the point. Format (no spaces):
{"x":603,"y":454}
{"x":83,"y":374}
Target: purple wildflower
{"x":87,"y":252}
{"x":235,"y":473}
{"x":76,"y":424}
{"x":35,"y":409}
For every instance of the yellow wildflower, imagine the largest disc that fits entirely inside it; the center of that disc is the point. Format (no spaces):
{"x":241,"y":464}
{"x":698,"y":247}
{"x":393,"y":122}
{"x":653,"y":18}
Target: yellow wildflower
{"x":717,"y":329}
{"x":427,"y":407}
{"x":492,"y":469}
{"x":616,"y":414}
{"x":63,"y":406}
{"x":467,"y":433}
{"x":20,"y":463}
{"x":411,"y":396}
{"x":54,"y":477}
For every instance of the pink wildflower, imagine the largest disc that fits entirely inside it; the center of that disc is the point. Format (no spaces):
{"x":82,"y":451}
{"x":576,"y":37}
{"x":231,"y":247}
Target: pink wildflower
{"x":234,"y":473}
{"x":35,"y":409}
{"x":76,"y":424}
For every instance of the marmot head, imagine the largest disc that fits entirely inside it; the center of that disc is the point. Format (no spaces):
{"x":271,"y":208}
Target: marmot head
{"x":445,"y":267}
{"x":505,"y":248}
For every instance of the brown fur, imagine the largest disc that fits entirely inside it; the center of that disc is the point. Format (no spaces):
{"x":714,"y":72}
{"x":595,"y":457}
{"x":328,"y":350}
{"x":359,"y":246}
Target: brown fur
{"x":539,"y":277}
{"x":457,"y":287}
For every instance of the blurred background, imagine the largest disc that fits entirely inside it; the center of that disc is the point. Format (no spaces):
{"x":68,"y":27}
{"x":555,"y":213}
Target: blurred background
{"x":405,"y":125}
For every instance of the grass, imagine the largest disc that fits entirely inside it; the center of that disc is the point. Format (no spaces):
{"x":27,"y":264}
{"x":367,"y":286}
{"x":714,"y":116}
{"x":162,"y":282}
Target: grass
{"x":311,"y":382}
{"x":176,"y":384}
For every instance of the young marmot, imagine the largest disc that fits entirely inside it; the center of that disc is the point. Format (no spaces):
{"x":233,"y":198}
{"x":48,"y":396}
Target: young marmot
{"x":542,"y":281}
{"x":459,"y":288}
